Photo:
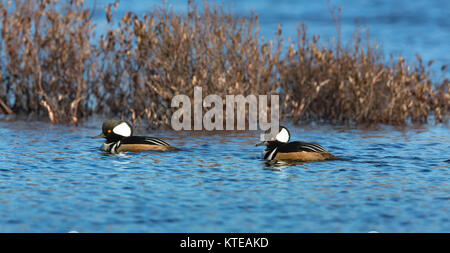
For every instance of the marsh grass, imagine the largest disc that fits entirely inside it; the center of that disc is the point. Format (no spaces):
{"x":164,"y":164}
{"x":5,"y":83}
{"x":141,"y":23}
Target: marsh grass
{"x":355,"y":85}
{"x":54,"y":65}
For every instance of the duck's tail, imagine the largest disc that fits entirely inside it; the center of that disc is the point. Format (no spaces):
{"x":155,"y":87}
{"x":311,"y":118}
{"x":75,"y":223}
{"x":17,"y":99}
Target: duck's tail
{"x":333,"y":157}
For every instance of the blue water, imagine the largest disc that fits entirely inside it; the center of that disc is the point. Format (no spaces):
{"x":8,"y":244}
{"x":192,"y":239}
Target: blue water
{"x":401,"y":27}
{"x":56,"y":179}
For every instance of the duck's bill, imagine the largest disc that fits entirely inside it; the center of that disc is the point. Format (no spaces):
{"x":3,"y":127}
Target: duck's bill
{"x":264,"y":143}
{"x":99,"y":136}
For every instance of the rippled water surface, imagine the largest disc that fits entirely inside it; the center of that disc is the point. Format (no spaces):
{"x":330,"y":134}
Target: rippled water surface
{"x":56,"y":179}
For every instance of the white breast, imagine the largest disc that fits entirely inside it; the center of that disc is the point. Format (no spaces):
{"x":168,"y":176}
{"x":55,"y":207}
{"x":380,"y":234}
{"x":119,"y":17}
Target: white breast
{"x":271,"y":155}
{"x":106,"y":146}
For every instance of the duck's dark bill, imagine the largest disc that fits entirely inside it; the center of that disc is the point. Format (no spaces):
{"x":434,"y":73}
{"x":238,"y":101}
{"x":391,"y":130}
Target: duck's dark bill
{"x":99,"y":136}
{"x":264,"y":143}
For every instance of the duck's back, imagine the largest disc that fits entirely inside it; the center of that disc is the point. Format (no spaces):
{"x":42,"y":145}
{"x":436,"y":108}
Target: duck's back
{"x":144,"y":140}
{"x":299,"y":146}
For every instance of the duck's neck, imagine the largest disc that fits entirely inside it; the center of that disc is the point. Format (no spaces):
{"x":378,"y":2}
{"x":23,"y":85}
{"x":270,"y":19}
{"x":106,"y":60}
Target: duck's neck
{"x":114,"y":138}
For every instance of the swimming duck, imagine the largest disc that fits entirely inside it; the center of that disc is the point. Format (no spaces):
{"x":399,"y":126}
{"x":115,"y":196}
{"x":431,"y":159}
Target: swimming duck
{"x":119,"y":138}
{"x":280,"y":149}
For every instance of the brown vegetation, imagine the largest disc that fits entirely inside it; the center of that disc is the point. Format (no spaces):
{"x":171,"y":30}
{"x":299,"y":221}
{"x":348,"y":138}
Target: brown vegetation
{"x":355,"y":85}
{"x":53,"y":65}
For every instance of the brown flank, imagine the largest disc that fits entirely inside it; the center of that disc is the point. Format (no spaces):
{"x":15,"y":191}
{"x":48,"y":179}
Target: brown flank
{"x":305,"y":156}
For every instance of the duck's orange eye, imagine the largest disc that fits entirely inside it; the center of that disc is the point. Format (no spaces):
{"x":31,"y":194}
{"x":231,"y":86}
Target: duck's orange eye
{"x":109,"y":131}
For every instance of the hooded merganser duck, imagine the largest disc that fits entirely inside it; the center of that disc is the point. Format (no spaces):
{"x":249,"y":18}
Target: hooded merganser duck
{"x":119,"y":139}
{"x":280,"y":149}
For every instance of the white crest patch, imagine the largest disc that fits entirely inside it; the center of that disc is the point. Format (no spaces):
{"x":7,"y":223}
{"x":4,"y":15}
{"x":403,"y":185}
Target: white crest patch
{"x":283,"y":135}
{"x":122,"y":129}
